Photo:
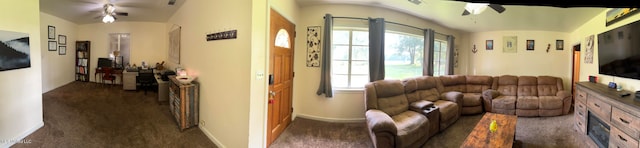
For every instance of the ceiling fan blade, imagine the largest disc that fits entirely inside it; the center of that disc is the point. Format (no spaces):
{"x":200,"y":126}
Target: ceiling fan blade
{"x":122,"y":13}
{"x":465,"y":12}
{"x":98,"y":17}
{"x":497,"y":7}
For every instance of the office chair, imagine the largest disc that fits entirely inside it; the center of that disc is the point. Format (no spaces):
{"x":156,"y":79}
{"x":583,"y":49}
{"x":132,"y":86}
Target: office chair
{"x":146,"y":79}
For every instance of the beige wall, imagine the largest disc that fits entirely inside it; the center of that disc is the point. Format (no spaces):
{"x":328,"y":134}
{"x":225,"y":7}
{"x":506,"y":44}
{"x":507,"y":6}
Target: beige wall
{"x":522,"y":63}
{"x":21,"y":89}
{"x":148,"y":41}
{"x":594,"y":27}
{"x":344,"y":106}
{"x":222,"y":67}
{"x":57,"y":70}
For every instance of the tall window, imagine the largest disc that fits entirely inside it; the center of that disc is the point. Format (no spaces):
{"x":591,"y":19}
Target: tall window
{"x":350,"y":58}
{"x":119,"y":48}
{"x":403,"y":55}
{"x":440,"y":58}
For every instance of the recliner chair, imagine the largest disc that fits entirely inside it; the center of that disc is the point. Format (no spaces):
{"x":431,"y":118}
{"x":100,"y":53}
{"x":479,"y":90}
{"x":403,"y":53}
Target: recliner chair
{"x":392,"y":120}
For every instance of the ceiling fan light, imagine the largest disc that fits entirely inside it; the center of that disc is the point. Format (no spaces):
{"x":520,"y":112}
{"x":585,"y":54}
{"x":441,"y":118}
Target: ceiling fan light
{"x":476,"y":8}
{"x":108,"y":19}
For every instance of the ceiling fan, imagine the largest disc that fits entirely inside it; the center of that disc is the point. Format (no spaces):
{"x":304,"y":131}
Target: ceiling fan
{"x":477,"y":8}
{"x":109,"y":13}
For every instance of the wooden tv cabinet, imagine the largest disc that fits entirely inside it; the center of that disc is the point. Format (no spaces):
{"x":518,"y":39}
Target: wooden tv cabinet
{"x":619,"y":113}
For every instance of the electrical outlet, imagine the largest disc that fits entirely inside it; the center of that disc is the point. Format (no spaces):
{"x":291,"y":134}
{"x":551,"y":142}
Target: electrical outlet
{"x":202,"y":123}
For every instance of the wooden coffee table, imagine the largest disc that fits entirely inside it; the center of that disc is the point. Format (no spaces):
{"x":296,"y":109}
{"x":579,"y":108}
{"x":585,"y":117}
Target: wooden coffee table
{"x":482,"y":137}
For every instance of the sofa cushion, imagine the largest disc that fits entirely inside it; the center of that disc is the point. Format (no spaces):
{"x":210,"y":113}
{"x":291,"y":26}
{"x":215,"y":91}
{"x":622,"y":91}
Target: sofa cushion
{"x":507,"y":85}
{"x":504,"y":102}
{"x":471,"y":99}
{"x":477,"y":84}
{"x":550,"y":102}
{"x":527,"y":102}
{"x":393,"y":105}
{"x":411,"y":127}
{"x":452,"y":83}
{"x":448,"y":109}
{"x":549,"y":86}
{"x":527,"y":86}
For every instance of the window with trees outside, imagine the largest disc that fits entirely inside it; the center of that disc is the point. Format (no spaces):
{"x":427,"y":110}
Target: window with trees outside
{"x":404,"y":56}
{"x":440,"y":57}
{"x":350,"y":59}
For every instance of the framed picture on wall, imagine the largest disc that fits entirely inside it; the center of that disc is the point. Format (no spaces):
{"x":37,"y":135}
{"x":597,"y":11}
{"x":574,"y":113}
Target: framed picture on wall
{"x":53,"y":45}
{"x":51,"y":32}
{"x":530,"y":44}
{"x":559,"y":44}
{"x":489,"y":44}
{"x":510,"y":44}
{"x":62,"y":39}
{"x":62,"y":50}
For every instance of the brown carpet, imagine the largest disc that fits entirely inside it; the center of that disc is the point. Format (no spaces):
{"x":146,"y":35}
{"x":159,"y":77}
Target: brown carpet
{"x":536,"y":132}
{"x":82,"y":114}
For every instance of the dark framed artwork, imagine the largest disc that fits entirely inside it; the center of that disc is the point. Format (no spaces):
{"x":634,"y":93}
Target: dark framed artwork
{"x":62,"y":50}
{"x":531,"y":44}
{"x":53,"y":45}
{"x":52,"y":32}
{"x":489,"y":44}
{"x":616,"y":14}
{"x":559,"y":44}
{"x":15,"y":50}
{"x":62,"y":39}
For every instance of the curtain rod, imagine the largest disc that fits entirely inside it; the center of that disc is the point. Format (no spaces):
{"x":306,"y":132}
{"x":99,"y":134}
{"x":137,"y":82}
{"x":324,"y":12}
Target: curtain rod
{"x":357,"y":18}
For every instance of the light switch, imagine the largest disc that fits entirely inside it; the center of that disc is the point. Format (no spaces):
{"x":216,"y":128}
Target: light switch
{"x":259,"y":75}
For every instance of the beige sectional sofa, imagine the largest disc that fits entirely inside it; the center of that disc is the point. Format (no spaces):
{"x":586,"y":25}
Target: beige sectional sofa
{"x":527,"y":96}
{"x":407,"y":113}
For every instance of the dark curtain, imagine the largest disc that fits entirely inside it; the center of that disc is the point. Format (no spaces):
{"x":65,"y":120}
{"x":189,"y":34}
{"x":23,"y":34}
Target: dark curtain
{"x":427,"y":68}
{"x":376,"y":49}
{"x":450,"y":64}
{"x":325,"y":71}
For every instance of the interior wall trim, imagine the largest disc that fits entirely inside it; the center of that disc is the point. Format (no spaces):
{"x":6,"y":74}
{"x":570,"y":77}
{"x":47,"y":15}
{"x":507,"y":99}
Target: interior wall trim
{"x":211,"y":137}
{"x":334,"y":120}
{"x":23,"y":135}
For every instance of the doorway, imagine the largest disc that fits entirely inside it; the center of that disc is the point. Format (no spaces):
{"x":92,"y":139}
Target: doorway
{"x":281,"y":43}
{"x":576,"y":69}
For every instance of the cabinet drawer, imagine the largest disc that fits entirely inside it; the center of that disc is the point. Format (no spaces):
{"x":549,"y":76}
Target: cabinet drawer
{"x":603,"y":110}
{"x":581,"y":96}
{"x":582,"y":126}
{"x":580,"y":111}
{"x":619,"y":139}
{"x":626,"y":122}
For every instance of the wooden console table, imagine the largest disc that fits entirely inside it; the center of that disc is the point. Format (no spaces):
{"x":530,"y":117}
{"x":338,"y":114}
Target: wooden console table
{"x":620,"y":113}
{"x":504,"y":136}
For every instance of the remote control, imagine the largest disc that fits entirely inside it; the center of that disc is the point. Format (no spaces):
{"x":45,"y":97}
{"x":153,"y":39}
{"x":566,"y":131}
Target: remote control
{"x":624,"y":94}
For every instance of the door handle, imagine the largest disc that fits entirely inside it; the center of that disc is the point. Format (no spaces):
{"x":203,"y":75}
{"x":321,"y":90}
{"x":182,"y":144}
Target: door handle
{"x":271,"y":95}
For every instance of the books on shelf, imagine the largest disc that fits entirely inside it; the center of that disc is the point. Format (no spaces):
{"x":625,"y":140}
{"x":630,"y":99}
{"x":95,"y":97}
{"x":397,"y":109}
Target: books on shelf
{"x":82,"y":62}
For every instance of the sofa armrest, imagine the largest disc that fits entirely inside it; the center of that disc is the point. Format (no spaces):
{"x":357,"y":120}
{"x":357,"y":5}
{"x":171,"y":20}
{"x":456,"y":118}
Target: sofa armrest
{"x":566,"y":99}
{"x":455,"y":97}
{"x":380,"y":122}
{"x":420,"y":105}
{"x":487,"y":96}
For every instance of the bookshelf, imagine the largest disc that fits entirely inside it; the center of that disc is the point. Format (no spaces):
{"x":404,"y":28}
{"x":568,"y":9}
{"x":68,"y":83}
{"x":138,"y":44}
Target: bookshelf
{"x":82,"y":60}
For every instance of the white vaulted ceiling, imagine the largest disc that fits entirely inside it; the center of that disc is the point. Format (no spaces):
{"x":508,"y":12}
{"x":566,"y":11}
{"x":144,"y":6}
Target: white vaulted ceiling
{"x":516,"y":17}
{"x":88,"y":11}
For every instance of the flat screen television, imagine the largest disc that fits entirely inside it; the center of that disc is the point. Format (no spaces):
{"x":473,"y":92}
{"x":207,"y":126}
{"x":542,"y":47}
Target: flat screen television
{"x":619,"y":51}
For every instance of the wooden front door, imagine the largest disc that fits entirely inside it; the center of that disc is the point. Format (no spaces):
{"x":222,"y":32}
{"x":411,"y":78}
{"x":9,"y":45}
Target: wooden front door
{"x":281,"y":75}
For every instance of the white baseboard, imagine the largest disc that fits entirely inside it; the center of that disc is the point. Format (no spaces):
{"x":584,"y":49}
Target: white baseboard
{"x":213,"y":139}
{"x":335,"y":120}
{"x":21,"y":137}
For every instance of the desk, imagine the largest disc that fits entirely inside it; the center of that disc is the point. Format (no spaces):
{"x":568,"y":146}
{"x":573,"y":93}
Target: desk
{"x":116,"y":71}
